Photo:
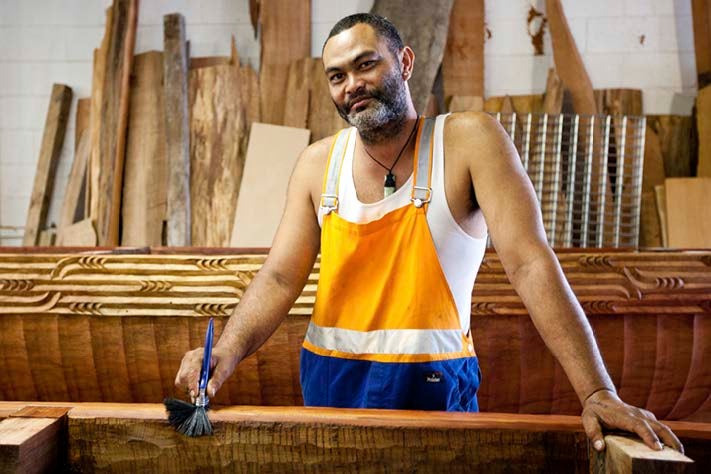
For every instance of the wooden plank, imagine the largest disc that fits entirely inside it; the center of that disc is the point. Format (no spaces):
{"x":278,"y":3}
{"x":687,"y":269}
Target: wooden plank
{"x":82,"y":119}
{"x":660,"y":197}
{"x":177,"y":131}
{"x":423,"y":25}
{"x":674,"y":132}
{"x":652,"y":175}
{"x":286,"y":36}
{"x":217,"y":135}
{"x":79,"y":234}
{"x":114,"y":109}
{"x":463,"y":61}
{"x":96,"y":116}
{"x":271,"y":156}
{"x":553,"y":97}
{"x":296,"y":111}
{"x":701,"y":18}
{"x":47,"y":237}
{"x":619,"y":101}
{"x":52,"y":140}
{"x":72,"y":204}
{"x":343,"y":441}
{"x":323,"y":118}
{"x":703,"y":131}
{"x":196,"y":63}
{"x":32,"y":445}
{"x":146,"y":170}
{"x":688,"y":212}
{"x":460,"y":103}
{"x":626,"y":455}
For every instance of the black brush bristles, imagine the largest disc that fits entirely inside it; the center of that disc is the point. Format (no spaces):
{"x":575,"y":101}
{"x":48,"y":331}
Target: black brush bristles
{"x":188,"y":419}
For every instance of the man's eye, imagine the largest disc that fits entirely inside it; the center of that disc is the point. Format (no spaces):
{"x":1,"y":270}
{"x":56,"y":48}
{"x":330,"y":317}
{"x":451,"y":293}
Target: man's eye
{"x":366,"y":64}
{"x":336,"y":77}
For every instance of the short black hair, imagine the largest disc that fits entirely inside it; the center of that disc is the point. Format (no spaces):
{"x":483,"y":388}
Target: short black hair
{"x":382,"y":26}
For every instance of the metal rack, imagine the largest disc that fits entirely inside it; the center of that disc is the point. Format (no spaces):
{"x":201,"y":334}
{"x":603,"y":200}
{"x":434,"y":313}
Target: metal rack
{"x":587,"y":173}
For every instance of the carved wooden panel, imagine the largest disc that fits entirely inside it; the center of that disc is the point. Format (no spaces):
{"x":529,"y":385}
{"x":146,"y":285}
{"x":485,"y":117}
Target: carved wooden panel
{"x":105,"y":327}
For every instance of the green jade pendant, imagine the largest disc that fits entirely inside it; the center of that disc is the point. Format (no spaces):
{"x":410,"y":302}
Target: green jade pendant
{"x":389,"y":187}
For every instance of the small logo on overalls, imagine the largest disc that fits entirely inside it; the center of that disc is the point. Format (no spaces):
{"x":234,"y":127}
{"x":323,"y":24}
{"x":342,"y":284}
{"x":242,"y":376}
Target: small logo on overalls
{"x":433,"y":377}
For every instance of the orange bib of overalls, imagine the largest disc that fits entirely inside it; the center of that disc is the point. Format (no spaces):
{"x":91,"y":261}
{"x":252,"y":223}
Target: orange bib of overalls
{"x":385,"y":332}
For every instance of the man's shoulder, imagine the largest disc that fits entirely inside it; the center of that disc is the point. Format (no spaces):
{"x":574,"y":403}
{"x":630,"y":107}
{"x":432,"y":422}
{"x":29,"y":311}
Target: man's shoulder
{"x":468,"y":122}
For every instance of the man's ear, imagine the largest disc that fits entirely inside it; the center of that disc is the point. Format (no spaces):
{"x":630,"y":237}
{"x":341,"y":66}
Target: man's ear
{"x":408,"y":62}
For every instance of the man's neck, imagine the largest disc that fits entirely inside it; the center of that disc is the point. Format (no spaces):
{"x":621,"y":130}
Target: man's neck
{"x":386,"y":142}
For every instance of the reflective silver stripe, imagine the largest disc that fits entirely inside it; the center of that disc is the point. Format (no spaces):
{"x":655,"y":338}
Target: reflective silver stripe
{"x":329,"y":199}
{"x":386,"y":341}
{"x":422,"y":189}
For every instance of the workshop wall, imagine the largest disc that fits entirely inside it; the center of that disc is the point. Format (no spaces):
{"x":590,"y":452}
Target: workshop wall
{"x":645,"y":44}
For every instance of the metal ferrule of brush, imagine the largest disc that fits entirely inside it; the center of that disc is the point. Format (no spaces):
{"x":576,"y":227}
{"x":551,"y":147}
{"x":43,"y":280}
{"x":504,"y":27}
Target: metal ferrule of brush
{"x":202,"y":400}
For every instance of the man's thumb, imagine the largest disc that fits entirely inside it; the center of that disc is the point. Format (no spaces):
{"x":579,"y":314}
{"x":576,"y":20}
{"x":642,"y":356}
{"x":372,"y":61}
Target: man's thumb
{"x":594,"y":432}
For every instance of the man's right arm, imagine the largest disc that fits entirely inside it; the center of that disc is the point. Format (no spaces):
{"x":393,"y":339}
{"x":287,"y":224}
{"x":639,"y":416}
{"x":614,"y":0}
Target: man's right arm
{"x":272,"y":292}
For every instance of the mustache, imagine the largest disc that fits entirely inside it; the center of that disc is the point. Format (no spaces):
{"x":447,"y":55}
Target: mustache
{"x":360,"y":96}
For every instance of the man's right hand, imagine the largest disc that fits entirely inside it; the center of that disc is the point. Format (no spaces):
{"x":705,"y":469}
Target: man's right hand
{"x":222,"y":365}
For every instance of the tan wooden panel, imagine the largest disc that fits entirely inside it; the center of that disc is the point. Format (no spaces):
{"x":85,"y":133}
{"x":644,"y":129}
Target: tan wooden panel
{"x":145,"y":182}
{"x":625,"y":455}
{"x":463,"y":61}
{"x":423,"y":25}
{"x":30,"y":445}
{"x":688,"y":212}
{"x":52,"y":140}
{"x":271,"y":156}
{"x":286,"y":36}
{"x":79,"y":234}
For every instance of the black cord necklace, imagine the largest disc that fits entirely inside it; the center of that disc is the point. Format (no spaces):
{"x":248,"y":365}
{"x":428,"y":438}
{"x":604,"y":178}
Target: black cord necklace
{"x":389,"y":186}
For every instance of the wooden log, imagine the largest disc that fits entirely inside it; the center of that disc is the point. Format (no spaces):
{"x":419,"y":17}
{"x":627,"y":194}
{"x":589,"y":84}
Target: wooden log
{"x":337,"y":440}
{"x":98,"y":84}
{"x":688,"y":213}
{"x":218,"y":134}
{"x":463,"y":61}
{"x":701,"y":17}
{"x":625,"y":455}
{"x":286,"y":36}
{"x":703,"y":131}
{"x":33,"y":441}
{"x":323,"y":119}
{"x":114,"y":109}
{"x":146,"y":169}
{"x":52,"y":140}
{"x":423,"y":25}
{"x":177,"y":131}
{"x":271,"y":156}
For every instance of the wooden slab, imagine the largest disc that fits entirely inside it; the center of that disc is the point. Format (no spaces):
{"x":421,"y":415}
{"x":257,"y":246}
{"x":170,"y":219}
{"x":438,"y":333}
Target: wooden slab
{"x":701,"y":17}
{"x":72,"y":206}
{"x":674,"y":132}
{"x":652,"y":175}
{"x":660,"y":198}
{"x":625,"y":455}
{"x":461,"y":103}
{"x":569,"y":64}
{"x":52,"y":140}
{"x":553,"y":97}
{"x":32,"y":445}
{"x":286,"y":36}
{"x":96,"y":117}
{"x":145,"y":182}
{"x":423,"y":25}
{"x":114,"y":110}
{"x":688,"y":212}
{"x":81,"y":121}
{"x":463,"y":61}
{"x":177,"y":131}
{"x":271,"y":156}
{"x":619,"y":101}
{"x":296,"y":111}
{"x":196,"y":63}
{"x":703,"y":131}
{"x":218,"y":137}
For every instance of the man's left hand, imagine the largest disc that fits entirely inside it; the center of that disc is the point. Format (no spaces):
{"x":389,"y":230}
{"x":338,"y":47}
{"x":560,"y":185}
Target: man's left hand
{"x":605,"y":409}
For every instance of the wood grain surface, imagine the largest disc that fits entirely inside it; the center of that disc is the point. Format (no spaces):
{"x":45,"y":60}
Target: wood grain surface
{"x":463,"y":61}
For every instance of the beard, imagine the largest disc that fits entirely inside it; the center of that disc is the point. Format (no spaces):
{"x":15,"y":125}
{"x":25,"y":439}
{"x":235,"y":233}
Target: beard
{"x":384,"y":116}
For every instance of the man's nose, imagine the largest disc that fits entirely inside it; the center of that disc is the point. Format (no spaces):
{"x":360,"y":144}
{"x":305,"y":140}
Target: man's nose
{"x":354,"y":84}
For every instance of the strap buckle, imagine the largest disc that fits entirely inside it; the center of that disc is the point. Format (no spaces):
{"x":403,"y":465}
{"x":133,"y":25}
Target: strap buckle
{"x":421,"y":201}
{"x":329,"y":203}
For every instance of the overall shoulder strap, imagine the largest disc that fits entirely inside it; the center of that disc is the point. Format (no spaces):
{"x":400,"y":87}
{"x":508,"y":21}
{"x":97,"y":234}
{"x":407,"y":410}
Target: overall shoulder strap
{"x":422,"y":179}
{"x":329,"y":193}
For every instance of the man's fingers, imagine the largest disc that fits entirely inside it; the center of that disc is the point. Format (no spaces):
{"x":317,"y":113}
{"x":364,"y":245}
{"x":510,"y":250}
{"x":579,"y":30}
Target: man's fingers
{"x":594,"y":431}
{"x":668,"y":436}
{"x":219,"y":375}
{"x":644,"y":431}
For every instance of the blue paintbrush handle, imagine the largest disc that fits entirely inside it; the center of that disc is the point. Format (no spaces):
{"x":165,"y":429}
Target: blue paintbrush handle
{"x":207,"y":355}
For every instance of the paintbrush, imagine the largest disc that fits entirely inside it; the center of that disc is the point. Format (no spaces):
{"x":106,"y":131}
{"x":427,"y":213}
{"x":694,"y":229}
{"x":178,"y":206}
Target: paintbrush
{"x":191,"y":418}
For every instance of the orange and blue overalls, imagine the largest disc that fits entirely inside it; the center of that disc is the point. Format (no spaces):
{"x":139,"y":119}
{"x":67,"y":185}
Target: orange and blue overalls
{"x":385,"y":332}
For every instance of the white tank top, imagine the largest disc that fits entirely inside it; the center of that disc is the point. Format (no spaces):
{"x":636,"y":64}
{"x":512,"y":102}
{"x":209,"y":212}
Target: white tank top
{"x":459,"y":253}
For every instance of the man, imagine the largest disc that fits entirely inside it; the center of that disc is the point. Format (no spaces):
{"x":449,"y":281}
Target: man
{"x":390,"y":327}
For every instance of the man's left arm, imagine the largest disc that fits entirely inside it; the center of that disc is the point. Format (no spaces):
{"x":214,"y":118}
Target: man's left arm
{"x":508,"y":201}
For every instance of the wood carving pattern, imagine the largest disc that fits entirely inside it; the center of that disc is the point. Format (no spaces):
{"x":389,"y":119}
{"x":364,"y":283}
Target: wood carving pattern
{"x":118,"y":325}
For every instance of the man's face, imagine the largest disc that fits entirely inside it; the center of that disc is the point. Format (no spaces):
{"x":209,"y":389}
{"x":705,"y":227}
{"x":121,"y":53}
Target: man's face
{"x":364,"y":78}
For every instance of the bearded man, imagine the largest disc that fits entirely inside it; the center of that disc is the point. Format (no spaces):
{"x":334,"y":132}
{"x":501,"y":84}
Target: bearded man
{"x":400,"y":208}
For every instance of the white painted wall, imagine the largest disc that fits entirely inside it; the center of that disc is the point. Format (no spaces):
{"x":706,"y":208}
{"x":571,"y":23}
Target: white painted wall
{"x":47,"y":41}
